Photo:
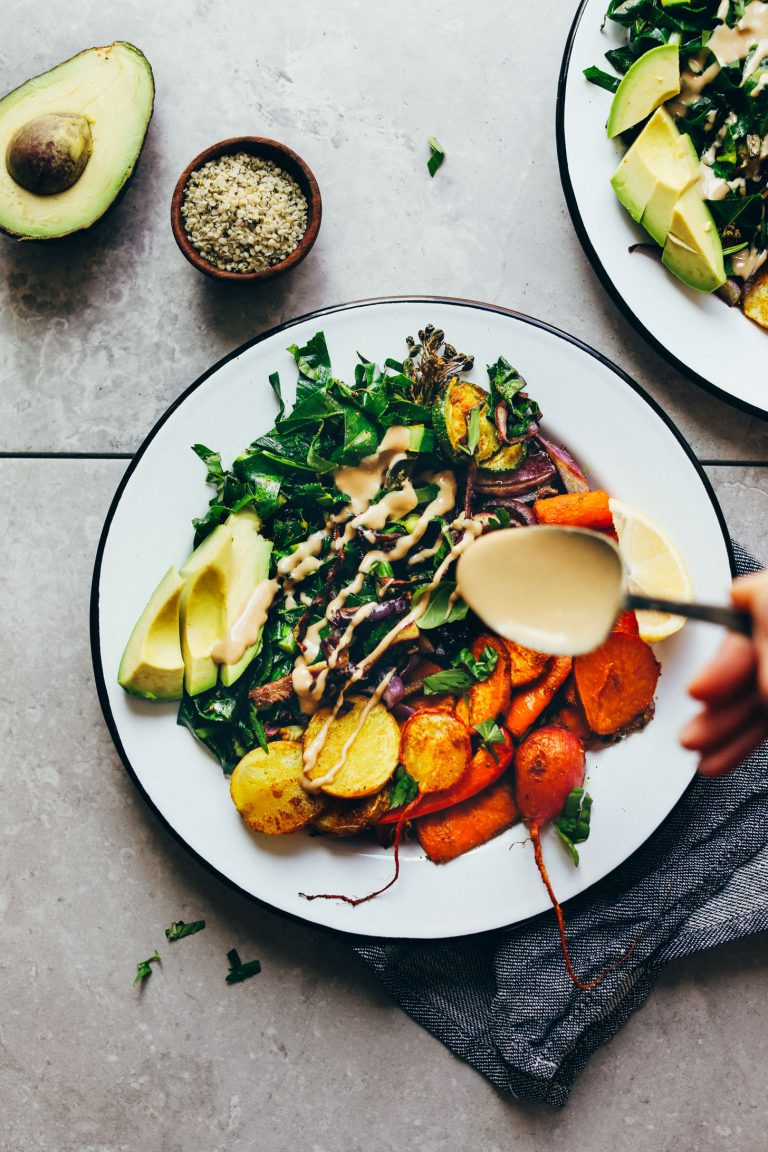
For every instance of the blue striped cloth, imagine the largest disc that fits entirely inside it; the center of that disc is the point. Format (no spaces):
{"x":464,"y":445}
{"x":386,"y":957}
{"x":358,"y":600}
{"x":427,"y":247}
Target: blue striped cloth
{"x":500,"y":1000}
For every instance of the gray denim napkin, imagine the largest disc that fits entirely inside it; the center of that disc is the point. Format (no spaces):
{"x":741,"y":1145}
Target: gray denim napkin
{"x":501,"y":1000}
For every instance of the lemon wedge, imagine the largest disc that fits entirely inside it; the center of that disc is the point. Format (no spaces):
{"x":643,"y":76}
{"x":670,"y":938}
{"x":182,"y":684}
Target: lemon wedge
{"x":654,"y":568}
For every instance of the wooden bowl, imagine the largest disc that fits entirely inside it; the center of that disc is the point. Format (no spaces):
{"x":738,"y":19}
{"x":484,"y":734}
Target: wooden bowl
{"x":284,"y":158}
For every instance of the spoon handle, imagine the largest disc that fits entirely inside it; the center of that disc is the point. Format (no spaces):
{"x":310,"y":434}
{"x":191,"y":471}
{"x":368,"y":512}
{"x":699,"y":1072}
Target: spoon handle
{"x":732,"y":618}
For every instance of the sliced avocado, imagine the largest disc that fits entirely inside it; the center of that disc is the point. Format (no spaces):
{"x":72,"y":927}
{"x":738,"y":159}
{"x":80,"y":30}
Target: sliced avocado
{"x":202,"y":617}
{"x":693,"y":251}
{"x":651,"y":80}
{"x":637,"y":173}
{"x":250,"y":567}
{"x":69,"y":140}
{"x":679,"y":170}
{"x":152,"y":665}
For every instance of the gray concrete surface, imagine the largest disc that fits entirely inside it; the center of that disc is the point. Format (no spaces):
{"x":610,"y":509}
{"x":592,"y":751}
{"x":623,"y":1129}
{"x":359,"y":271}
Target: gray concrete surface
{"x":97,"y":336}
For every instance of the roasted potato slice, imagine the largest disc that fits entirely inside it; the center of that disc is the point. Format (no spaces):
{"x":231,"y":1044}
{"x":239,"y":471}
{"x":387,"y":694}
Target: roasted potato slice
{"x":435,"y":750}
{"x":755,"y":298}
{"x":267,"y":792}
{"x":349,"y":817}
{"x":367,"y":747}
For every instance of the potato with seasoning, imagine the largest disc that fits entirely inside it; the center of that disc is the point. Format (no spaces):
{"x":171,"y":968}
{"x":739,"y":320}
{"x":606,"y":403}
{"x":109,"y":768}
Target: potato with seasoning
{"x":360,"y":748}
{"x":350,"y":817}
{"x":267,"y":792}
{"x":755,"y":299}
{"x":435,"y":750}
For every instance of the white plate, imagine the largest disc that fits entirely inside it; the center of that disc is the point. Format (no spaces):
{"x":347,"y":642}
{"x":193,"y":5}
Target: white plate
{"x":627,"y":446}
{"x":717,"y":346}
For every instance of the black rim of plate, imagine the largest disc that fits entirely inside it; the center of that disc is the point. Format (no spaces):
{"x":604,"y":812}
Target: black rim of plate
{"x":98,"y":669}
{"x":594,"y":259}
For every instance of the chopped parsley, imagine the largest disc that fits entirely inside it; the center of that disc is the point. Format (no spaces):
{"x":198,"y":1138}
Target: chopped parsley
{"x":436,"y":155}
{"x":178,"y":929}
{"x":238,"y":971}
{"x":572,"y":825}
{"x":404,"y":790}
{"x":143,"y":969}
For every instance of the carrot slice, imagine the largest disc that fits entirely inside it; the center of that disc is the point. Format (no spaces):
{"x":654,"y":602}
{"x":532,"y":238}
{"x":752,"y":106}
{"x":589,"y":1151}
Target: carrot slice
{"x":446,"y":835}
{"x":435,"y":750}
{"x":484,"y":769}
{"x":627,"y":622}
{"x":616,"y":682}
{"x":529,"y":703}
{"x":525,"y":664}
{"x":489,"y":698}
{"x":580,"y":509}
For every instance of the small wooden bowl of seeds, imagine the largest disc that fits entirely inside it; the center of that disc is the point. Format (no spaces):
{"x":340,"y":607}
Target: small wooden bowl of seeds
{"x":246,"y":209}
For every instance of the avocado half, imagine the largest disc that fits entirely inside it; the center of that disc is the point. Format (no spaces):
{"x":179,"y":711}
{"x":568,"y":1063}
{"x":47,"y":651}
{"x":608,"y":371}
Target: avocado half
{"x":80,"y":128}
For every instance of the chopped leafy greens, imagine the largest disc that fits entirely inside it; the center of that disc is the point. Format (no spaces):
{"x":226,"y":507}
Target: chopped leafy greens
{"x":404,"y":788}
{"x":441,"y":609}
{"x":601,"y":78}
{"x":179,"y":929}
{"x":436,"y":155}
{"x":239,"y":971}
{"x":465,"y":672}
{"x":143,"y":968}
{"x":572,"y":825}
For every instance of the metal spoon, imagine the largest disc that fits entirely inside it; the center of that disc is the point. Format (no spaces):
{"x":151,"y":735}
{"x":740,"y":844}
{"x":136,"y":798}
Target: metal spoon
{"x":560,"y":590}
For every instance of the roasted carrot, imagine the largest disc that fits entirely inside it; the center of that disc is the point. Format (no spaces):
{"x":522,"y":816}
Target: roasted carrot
{"x":489,"y":698}
{"x":485,"y":769}
{"x":528,"y":704}
{"x":579,"y":509}
{"x":435,"y":750}
{"x":627,"y":622}
{"x":446,"y":835}
{"x":525,"y":664}
{"x":616,"y":682}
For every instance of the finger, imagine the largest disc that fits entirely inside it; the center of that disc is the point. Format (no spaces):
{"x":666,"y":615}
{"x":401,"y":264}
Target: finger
{"x":746,"y":588}
{"x":760,"y":640}
{"x":714,"y":727}
{"x":730,"y":673}
{"x":729,"y":756}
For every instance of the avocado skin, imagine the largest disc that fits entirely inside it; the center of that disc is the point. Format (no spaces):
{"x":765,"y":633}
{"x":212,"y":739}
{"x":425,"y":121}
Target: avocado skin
{"x":129,"y":175}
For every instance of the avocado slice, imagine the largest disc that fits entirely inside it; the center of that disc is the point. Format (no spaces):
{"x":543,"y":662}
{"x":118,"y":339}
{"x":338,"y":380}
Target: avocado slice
{"x":70,"y":139}
{"x":635,"y":178}
{"x":693,"y":251}
{"x":651,"y":80}
{"x":678,"y":171}
{"x":152,"y":665}
{"x":202,"y":615}
{"x":250,"y":566}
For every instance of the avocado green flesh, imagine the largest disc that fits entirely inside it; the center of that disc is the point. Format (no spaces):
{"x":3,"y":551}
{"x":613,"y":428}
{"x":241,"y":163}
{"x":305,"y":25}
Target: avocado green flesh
{"x":646,"y":85}
{"x":250,"y":566}
{"x":693,"y":250}
{"x":113,"y":88}
{"x":152,"y":665}
{"x":677,"y":173}
{"x":202,"y":618}
{"x":660,"y":165}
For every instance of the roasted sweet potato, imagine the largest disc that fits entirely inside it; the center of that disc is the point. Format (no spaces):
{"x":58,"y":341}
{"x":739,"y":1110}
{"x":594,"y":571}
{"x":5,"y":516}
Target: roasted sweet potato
{"x":627,"y":622}
{"x":528,"y":704}
{"x":446,"y":835}
{"x":484,"y":770}
{"x":488,"y":699}
{"x":368,"y":748}
{"x":755,"y":298}
{"x":525,"y":665}
{"x":267,"y":791}
{"x":435,"y":750}
{"x":578,"y":509}
{"x":549,"y":764}
{"x":616,"y":682}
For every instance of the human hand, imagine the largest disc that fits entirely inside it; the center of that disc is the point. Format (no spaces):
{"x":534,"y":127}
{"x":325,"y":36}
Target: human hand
{"x":733,"y":689}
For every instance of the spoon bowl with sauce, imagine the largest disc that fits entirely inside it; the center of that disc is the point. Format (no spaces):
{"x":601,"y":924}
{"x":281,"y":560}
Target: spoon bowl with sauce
{"x":561,"y":590}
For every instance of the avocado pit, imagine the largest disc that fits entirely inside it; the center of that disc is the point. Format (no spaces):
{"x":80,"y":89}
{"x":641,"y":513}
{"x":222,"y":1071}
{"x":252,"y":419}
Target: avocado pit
{"x":49,"y":154}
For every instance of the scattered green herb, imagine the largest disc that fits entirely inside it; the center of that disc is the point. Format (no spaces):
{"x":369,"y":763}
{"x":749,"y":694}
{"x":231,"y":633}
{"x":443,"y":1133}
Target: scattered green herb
{"x":500,"y":519}
{"x":143,"y":969}
{"x":238,"y":971}
{"x":178,"y":930}
{"x":602,"y":79}
{"x":441,"y":609}
{"x":436,"y":155}
{"x":572,"y":825}
{"x":466,"y":671}
{"x":473,"y":430}
{"x":404,"y":788}
{"x":490,"y":734}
